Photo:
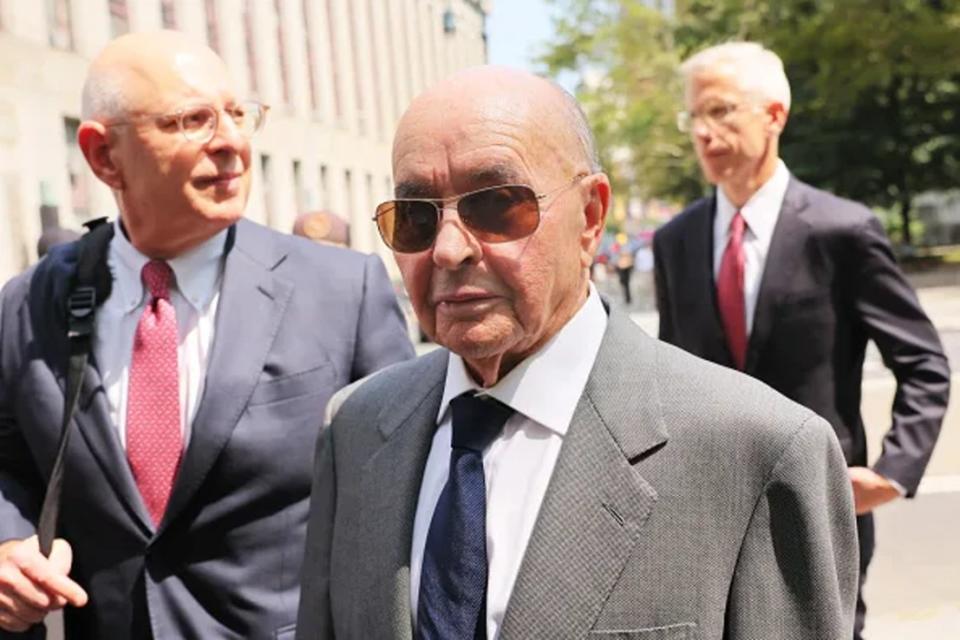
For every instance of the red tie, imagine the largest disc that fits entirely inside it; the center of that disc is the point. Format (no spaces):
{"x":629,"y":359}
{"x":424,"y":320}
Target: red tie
{"x":154,"y":440}
{"x":730,"y":297}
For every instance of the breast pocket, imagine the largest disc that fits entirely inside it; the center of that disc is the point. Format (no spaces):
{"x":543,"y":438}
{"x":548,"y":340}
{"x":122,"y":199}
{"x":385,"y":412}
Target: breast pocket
{"x":316,"y":380}
{"x":681,"y":631}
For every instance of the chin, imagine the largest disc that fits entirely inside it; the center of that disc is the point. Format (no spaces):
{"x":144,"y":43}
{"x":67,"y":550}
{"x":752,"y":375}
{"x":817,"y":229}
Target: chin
{"x":480,"y":340}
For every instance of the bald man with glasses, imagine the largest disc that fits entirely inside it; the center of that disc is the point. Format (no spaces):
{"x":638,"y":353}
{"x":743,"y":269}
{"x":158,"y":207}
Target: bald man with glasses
{"x":184,"y":504}
{"x":551,"y":471}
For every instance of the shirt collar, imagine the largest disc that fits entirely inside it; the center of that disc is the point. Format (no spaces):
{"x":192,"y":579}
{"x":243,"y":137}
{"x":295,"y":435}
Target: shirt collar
{"x":761,"y":211}
{"x":197,"y":272}
{"x":545,"y":387}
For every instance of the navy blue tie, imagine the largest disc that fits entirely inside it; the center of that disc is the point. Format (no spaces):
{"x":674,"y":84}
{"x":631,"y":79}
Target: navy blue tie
{"x":453,"y":579}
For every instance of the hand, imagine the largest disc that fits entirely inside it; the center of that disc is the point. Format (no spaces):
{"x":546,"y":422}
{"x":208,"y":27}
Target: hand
{"x":870,"y":489}
{"x":31,"y":585}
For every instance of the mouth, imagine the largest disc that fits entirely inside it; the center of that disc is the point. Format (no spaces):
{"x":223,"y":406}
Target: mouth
{"x":220,"y":180}
{"x":463,"y":299}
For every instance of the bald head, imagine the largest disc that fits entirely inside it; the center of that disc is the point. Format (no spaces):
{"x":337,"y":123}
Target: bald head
{"x":130,"y":71}
{"x":498,"y":94}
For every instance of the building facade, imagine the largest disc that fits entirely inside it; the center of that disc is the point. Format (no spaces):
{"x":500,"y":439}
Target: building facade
{"x":337,"y":75}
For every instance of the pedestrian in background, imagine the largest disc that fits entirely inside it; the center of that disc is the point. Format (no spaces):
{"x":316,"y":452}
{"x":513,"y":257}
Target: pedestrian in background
{"x":787,"y":283}
{"x":187,"y":485}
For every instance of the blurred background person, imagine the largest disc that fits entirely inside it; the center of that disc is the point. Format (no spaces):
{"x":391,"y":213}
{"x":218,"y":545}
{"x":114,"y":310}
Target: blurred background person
{"x":51,"y":238}
{"x":324,"y":227}
{"x":787,"y":283}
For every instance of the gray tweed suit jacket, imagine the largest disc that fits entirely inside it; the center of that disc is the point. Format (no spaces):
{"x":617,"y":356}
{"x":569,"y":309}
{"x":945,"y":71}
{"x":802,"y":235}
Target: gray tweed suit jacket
{"x":688,"y":501}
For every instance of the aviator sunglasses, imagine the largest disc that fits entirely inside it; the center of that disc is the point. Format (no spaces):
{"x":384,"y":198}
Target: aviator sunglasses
{"x":494,"y":214}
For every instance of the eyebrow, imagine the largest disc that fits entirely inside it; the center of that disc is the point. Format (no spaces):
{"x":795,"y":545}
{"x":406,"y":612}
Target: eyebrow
{"x":491,"y":176}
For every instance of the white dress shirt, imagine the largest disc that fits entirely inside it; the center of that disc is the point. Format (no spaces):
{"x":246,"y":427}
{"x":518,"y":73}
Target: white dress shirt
{"x":194,"y":295}
{"x":761,"y":213}
{"x":544,"y":390}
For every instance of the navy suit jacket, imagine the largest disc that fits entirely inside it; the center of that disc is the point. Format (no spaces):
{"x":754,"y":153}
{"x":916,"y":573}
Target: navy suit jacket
{"x":296,"y":321}
{"x":829,"y":285}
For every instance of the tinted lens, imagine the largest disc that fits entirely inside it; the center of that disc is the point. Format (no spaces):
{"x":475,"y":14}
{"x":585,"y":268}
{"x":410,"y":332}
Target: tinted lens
{"x":408,"y":226}
{"x":500,"y":214}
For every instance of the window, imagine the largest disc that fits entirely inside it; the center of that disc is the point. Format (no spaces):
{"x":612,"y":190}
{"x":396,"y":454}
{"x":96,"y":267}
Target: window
{"x":265,"y":171}
{"x":168,"y":14}
{"x":251,"y":47}
{"x":324,"y":188}
{"x":391,"y":56}
{"x":375,"y":69}
{"x":334,"y":63}
{"x":353,"y":29}
{"x":298,"y":194}
{"x":348,"y":194}
{"x":59,"y":25}
{"x":282,"y":52}
{"x":213,"y":30}
{"x":76,"y":176}
{"x":311,"y":62}
{"x":119,"y":18}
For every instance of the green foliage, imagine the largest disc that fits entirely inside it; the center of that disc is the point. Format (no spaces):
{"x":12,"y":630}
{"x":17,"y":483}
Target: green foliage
{"x":876,"y":89}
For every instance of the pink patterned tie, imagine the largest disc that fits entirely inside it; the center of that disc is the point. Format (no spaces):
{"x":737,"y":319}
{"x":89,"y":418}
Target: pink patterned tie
{"x":730,"y":296}
{"x":154,"y":440}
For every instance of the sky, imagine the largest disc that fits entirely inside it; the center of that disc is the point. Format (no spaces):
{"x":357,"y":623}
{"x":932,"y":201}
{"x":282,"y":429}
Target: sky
{"x":515,"y":29}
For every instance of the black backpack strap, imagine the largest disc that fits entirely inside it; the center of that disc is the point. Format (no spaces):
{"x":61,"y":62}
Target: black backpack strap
{"x":91,"y":286}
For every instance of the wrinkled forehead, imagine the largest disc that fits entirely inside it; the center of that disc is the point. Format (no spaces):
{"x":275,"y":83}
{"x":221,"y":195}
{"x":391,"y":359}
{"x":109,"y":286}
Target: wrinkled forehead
{"x":450,"y":145}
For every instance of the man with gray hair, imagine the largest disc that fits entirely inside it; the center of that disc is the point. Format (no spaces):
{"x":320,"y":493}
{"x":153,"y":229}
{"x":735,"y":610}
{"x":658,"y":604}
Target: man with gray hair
{"x":215,"y":349}
{"x":552,"y":472}
{"x":787,"y":283}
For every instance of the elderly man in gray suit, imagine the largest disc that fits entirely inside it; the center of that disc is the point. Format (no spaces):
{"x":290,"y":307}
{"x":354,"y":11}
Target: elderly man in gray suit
{"x":553,"y":472}
{"x":185,"y":504}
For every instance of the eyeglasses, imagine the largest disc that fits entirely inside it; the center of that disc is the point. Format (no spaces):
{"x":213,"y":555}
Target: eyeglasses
{"x":713,"y":115}
{"x":199,"y":123}
{"x":494,"y":214}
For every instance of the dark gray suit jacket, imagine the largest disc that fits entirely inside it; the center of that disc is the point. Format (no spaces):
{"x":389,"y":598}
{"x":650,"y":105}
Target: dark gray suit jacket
{"x":830,"y":284}
{"x":295,"y":322}
{"x":688,"y":501}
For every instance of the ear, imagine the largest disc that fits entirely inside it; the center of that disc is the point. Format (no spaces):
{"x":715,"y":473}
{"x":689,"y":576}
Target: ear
{"x":777,"y":118}
{"x":595,"y":216}
{"x":95,"y":145}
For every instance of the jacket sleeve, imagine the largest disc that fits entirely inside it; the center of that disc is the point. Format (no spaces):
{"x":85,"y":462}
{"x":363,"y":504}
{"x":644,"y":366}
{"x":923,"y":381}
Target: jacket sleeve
{"x":21,"y":488}
{"x":797,"y":570}
{"x":382,"y":337}
{"x":314,"y":621}
{"x":910,"y":347}
{"x":660,"y":288}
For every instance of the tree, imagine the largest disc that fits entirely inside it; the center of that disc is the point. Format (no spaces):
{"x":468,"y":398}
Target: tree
{"x":876,"y":88}
{"x":624,"y":58}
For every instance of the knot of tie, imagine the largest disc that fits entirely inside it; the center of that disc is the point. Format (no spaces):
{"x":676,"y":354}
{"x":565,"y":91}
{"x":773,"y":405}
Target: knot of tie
{"x":157,"y":276}
{"x":737,"y":226}
{"x":477,"y":420}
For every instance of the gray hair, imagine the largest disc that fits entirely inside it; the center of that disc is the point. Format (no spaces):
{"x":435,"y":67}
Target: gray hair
{"x":756,"y":69}
{"x":103,"y":96}
{"x":581,"y":126}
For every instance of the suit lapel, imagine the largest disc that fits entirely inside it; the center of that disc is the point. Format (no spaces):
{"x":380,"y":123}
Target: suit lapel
{"x":699,"y":253}
{"x":786,"y":247}
{"x":92,"y":416}
{"x":252,"y":303}
{"x":389,"y":493}
{"x":597,"y":503}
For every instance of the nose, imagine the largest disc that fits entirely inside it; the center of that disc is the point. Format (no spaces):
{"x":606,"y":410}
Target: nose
{"x":227,"y":136}
{"x":455,"y":246}
{"x":701,"y":130}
